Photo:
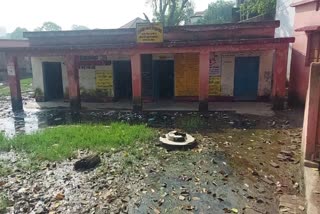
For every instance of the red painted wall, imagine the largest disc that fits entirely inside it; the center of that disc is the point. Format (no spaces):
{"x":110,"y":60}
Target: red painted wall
{"x":306,"y":15}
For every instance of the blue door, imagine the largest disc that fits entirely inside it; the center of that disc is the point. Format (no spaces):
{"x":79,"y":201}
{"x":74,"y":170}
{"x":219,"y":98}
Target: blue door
{"x":246,"y":78}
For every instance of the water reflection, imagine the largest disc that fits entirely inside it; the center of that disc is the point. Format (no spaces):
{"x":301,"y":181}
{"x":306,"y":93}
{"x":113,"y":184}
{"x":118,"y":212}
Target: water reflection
{"x":32,"y":120}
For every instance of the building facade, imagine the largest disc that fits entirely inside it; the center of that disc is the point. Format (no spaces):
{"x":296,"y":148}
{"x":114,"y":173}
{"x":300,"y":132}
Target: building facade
{"x":227,"y":62}
{"x":306,"y":48}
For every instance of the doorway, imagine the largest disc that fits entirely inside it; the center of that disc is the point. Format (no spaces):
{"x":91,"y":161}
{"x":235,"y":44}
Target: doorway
{"x":246,"y":78}
{"x":52,"y":79}
{"x":163,"y":79}
{"x":122,"y":79}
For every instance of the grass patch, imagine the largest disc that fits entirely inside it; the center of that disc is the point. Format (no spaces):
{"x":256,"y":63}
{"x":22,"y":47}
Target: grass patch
{"x":3,"y":203}
{"x":63,"y":141}
{"x":4,"y":170}
{"x":191,"y":123}
{"x":26,"y":85}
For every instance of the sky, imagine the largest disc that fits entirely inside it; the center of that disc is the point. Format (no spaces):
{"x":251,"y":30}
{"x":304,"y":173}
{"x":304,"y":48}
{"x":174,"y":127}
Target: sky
{"x":91,"y":13}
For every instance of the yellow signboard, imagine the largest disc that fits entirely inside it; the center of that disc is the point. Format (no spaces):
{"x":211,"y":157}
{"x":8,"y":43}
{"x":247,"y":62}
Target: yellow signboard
{"x":215,"y":86}
{"x":104,"y":80}
{"x":149,"y":32}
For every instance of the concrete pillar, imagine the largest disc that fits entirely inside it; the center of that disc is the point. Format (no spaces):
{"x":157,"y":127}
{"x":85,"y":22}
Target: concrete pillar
{"x":14,"y":83}
{"x":279,"y":77}
{"x":72,"y":65}
{"x":204,"y":66}
{"x":311,"y":122}
{"x":136,"y":82}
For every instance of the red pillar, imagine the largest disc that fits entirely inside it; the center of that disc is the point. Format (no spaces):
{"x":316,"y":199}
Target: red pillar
{"x":14,"y":83}
{"x":136,"y":82}
{"x":279,"y":77}
{"x":311,"y":123}
{"x":72,"y":64}
{"x":204,"y":67}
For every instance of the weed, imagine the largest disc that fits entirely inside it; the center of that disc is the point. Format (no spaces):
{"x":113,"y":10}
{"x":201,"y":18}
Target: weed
{"x":3,"y":203}
{"x":4,"y":170}
{"x":63,"y":141}
{"x":26,"y":85}
{"x":191,"y":123}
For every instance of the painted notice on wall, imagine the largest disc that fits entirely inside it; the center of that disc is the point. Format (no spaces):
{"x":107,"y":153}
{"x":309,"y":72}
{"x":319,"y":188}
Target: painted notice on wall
{"x":104,"y":80}
{"x":149,"y":32}
{"x":215,"y":86}
{"x":215,"y":62}
{"x":11,"y":70}
{"x":215,"y":75}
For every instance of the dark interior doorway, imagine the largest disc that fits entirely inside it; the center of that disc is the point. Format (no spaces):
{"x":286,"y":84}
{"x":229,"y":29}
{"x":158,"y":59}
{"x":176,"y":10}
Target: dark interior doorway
{"x":246,"y":78}
{"x":52,"y":79}
{"x":163,"y":71}
{"x":122,"y":79}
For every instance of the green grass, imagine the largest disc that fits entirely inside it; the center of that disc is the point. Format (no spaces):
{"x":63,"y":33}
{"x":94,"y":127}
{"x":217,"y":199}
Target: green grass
{"x":191,"y":123}
{"x":62,"y":142}
{"x":26,"y":85}
{"x":3,"y":203}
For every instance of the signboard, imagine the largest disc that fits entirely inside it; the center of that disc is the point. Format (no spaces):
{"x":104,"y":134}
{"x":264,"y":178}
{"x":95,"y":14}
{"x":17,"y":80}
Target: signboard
{"x":215,"y":86}
{"x":214,"y":65}
{"x":149,"y":32}
{"x":11,"y":70}
{"x":104,"y":80}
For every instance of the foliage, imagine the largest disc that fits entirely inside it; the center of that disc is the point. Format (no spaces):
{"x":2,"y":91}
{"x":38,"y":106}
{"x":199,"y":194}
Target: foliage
{"x":172,"y":12}
{"x":218,"y":12}
{"x":258,"y":7}
{"x":49,"y":26}
{"x":63,"y":141}
{"x":191,"y":123}
{"x":3,"y":203}
{"x":26,"y":85}
{"x":79,"y":27}
{"x":18,"y":33}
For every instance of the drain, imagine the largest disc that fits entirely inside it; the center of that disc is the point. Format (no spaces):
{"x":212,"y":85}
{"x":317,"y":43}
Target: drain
{"x":176,"y":138}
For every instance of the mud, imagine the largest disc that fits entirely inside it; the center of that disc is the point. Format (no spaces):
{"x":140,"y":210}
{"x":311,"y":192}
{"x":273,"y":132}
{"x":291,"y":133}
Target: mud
{"x":234,"y":168}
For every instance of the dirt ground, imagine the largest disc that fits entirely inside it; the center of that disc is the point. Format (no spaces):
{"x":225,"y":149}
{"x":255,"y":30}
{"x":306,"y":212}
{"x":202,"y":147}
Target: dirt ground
{"x":241,"y":164}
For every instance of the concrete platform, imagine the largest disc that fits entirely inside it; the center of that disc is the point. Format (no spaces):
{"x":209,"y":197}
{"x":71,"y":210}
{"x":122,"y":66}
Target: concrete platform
{"x":312,"y":190}
{"x":255,"y":108}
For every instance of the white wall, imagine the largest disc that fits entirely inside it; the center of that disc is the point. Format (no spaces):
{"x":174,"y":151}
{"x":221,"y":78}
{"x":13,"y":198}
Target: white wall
{"x":36,"y":63}
{"x":285,"y":14}
{"x":265,"y":72}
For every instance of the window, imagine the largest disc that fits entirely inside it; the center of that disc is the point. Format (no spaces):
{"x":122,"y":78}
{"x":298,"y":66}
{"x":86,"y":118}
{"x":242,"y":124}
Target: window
{"x":313,"y":51}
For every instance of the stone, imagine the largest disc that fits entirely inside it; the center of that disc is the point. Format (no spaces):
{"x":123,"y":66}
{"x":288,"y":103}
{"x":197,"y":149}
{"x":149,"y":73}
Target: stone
{"x":182,"y":198}
{"x":87,"y":163}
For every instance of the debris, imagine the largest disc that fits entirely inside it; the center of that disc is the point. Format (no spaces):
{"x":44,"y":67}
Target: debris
{"x":275,"y":165}
{"x":87,"y":163}
{"x":182,"y":198}
{"x":59,"y":196}
{"x":234,"y":210}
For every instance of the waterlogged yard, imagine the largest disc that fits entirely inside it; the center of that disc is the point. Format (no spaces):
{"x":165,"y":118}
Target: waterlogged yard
{"x":241,"y":164}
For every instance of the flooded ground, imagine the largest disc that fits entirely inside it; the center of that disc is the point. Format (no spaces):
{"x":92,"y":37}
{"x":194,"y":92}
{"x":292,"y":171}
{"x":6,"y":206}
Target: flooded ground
{"x":242,"y":164}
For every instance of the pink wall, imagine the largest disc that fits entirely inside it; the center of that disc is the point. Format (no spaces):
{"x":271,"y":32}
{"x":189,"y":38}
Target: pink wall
{"x":306,"y":15}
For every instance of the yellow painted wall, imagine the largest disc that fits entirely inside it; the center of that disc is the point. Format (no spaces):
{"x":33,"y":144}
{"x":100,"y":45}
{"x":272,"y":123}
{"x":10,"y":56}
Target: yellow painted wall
{"x":104,"y":79}
{"x":186,"y":67}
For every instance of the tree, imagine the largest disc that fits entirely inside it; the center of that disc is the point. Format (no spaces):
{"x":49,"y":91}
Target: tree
{"x":171,"y":12}
{"x":218,"y":12}
{"x":79,"y":27}
{"x":18,"y":33}
{"x":258,"y":7}
{"x":49,"y":26}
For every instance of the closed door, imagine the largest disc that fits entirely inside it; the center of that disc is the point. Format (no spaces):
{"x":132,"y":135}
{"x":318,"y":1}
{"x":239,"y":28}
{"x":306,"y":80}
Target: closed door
{"x":246,"y":78}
